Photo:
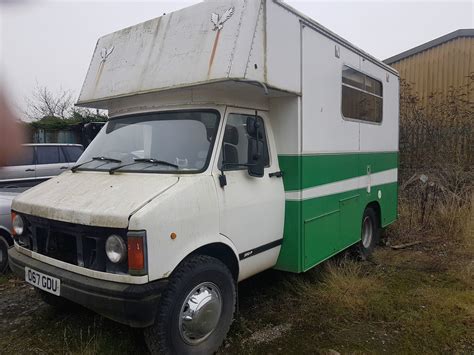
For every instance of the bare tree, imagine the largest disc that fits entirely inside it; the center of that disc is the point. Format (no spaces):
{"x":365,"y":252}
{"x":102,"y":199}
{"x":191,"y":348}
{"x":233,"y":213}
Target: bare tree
{"x":45,"y":103}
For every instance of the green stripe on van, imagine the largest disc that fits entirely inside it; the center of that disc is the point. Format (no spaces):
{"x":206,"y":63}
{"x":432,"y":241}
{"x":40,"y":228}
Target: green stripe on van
{"x":305,"y":171}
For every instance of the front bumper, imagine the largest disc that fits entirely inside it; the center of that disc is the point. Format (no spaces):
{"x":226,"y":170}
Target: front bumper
{"x":134,"y":305}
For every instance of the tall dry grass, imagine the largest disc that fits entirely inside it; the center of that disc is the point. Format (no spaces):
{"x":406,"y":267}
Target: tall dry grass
{"x":436,"y":167}
{"x":435,"y":205}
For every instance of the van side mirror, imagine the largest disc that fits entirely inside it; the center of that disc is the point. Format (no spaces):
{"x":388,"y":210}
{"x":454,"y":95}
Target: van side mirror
{"x":256,"y":147}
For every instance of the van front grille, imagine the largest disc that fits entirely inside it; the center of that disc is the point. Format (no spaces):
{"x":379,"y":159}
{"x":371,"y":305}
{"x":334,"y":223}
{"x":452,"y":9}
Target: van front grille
{"x":74,"y":244}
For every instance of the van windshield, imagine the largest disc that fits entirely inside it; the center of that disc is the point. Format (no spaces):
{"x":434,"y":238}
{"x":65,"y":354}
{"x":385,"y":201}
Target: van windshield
{"x":166,"y":142}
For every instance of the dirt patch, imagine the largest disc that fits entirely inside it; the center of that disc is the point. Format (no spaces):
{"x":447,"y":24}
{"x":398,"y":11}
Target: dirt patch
{"x":269,"y":334}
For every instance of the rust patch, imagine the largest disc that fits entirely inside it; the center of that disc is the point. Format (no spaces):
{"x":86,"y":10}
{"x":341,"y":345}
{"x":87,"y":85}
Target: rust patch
{"x":213,"y":53}
{"x":151,"y":50}
{"x":99,"y":74}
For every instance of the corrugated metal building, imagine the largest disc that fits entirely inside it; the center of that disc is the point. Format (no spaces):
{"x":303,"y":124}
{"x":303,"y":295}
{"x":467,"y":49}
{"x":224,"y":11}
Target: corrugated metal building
{"x":439,"y":65}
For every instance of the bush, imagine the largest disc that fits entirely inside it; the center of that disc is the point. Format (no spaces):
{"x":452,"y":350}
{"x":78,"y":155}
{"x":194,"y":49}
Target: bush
{"x":436,"y":166}
{"x":53,"y":123}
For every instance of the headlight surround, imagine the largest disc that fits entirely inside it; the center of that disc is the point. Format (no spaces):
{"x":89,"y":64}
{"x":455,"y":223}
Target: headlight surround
{"x":18,"y":225}
{"x":116,"y":249}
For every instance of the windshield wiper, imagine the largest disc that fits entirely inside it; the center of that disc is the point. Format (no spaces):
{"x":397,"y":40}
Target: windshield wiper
{"x":149,"y":160}
{"x":74,"y":168}
{"x":156,"y":162}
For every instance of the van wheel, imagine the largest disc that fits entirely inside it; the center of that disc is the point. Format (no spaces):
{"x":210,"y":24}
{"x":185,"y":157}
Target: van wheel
{"x":58,"y":303}
{"x":370,"y":234}
{"x":196,"y":310}
{"x":3,"y":255}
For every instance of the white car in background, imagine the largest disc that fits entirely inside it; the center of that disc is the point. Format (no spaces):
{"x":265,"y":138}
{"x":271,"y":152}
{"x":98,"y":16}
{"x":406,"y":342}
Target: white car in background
{"x":39,"y":162}
{"x":6,"y":240}
{"x":36,"y":163}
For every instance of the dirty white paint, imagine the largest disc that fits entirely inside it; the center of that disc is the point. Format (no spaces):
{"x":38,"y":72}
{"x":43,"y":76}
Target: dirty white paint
{"x":252,"y":210}
{"x":92,"y":198}
{"x":247,"y":213}
{"x":260,"y":41}
{"x":177,"y":49}
{"x":183,"y":61}
{"x":203,"y":96}
{"x":190,"y":210}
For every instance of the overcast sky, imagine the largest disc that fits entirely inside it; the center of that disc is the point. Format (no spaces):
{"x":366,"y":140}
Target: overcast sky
{"x":51,"y":42}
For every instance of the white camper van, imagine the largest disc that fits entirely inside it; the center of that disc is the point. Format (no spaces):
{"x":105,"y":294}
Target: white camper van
{"x":243,"y":136}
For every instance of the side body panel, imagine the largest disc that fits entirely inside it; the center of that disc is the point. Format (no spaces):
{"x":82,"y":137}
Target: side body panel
{"x":341,"y":165}
{"x":251,"y":209}
{"x":282,"y":38}
{"x":285,"y":113}
{"x":190,"y":210}
{"x":23,"y":171}
{"x":11,"y":175}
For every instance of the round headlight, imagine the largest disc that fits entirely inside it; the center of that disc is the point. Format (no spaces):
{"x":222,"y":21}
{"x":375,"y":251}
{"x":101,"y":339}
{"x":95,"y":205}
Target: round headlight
{"x":115,"y":249}
{"x":18,"y":225}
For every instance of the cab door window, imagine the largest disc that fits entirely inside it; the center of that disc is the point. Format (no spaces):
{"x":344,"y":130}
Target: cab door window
{"x":235,"y":145}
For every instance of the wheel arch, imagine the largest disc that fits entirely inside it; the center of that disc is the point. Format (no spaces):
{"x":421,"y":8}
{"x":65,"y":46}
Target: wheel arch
{"x":374,"y":205}
{"x":222,"y":252}
{"x":6,"y":234}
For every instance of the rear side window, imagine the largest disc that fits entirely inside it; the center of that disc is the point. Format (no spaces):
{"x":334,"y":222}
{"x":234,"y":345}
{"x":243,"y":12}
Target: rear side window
{"x":49,"y":155}
{"x":73,"y":153}
{"x":362,"y":96}
{"x":25,"y":157}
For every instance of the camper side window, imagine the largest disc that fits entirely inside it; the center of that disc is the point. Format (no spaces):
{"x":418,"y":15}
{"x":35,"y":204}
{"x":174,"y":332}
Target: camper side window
{"x":236,"y":142}
{"x":362,"y":96}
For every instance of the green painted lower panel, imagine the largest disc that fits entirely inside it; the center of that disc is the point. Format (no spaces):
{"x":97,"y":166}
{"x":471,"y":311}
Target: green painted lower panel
{"x":321,"y":237}
{"x":291,"y":251}
{"x":318,"y":228}
{"x":349,"y":220}
{"x":321,"y":169}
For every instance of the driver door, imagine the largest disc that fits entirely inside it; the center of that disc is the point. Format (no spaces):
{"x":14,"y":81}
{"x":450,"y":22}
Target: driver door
{"x":251,"y":208}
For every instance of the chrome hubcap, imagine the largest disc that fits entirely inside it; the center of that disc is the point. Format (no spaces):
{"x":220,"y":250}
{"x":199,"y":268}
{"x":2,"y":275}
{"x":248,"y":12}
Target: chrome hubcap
{"x":200,"y":313}
{"x":367,"y":231}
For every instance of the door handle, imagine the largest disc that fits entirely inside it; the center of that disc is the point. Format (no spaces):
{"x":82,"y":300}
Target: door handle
{"x":64,"y":168}
{"x":277,"y":174}
{"x":30,"y":170}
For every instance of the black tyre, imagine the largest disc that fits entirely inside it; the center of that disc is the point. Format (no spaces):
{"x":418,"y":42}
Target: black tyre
{"x":3,"y":255}
{"x":370,"y":234}
{"x":58,"y":303}
{"x":196,"y":310}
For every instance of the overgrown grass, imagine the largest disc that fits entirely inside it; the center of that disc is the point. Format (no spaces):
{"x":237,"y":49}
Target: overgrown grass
{"x":3,"y":279}
{"x":394,"y":304}
{"x":75,"y":332}
{"x":415,"y":300}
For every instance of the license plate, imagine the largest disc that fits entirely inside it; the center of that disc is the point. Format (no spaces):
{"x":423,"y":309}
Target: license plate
{"x":42,"y":281}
